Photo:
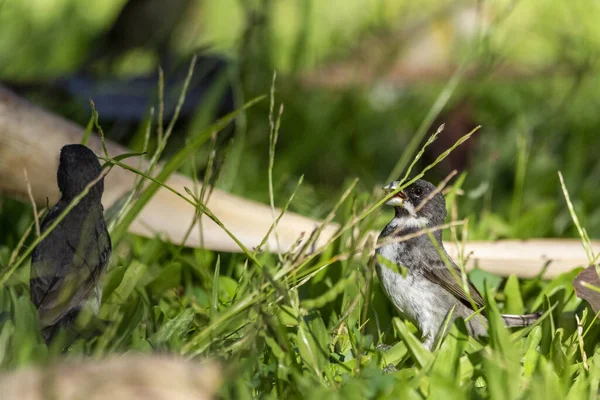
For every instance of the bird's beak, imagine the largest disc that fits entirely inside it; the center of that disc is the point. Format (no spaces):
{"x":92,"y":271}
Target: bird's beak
{"x":398,"y":199}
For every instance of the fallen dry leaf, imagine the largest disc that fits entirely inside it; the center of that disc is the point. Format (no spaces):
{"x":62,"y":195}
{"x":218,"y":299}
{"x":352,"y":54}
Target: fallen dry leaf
{"x":589,"y":276}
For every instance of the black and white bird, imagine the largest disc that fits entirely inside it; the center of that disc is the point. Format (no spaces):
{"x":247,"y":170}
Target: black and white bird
{"x":429,"y":291}
{"x":67,"y":265}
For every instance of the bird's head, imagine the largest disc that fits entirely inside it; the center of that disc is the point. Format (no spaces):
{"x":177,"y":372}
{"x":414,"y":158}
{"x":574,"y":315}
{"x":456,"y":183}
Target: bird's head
{"x":77,"y":167}
{"x":416,"y":204}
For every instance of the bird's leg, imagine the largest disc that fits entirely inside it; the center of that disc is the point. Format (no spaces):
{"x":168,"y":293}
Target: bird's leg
{"x":383,"y":347}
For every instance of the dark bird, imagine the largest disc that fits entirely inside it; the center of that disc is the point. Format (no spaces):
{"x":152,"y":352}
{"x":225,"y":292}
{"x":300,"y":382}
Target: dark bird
{"x":429,"y":291}
{"x":67,"y":264}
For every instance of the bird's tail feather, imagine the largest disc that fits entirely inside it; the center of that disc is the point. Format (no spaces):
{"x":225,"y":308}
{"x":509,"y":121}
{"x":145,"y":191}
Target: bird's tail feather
{"x":520,"y":320}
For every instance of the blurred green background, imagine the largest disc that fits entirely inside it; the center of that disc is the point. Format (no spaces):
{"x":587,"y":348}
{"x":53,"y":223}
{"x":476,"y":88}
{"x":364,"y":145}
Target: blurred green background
{"x":358,"y":78}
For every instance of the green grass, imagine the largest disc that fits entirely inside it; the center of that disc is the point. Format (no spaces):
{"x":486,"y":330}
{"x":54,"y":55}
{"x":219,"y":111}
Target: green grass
{"x":285,"y":326}
{"x":309,"y":326}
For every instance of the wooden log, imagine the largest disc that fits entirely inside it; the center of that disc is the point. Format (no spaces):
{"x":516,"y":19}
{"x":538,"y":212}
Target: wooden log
{"x":525,"y":258}
{"x":121,"y":377}
{"x":30,"y":138}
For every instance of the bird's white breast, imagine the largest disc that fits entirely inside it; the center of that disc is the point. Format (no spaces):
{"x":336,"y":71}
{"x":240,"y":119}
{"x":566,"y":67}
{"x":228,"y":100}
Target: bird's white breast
{"x":418,"y":299}
{"x":409,"y":221}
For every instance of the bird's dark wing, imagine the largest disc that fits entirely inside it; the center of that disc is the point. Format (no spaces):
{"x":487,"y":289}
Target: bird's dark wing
{"x":437,"y":272}
{"x":63,"y":279}
{"x":43,"y":275}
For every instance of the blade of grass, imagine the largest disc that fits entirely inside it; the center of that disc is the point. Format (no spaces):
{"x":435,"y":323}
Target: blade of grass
{"x":434,"y":111}
{"x":281,"y":214}
{"x":214,"y":304}
{"x":170,"y":167}
{"x":439,"y":159}
{"x":585,"y":239}
{"x":429,"y":141}
{"x":194,"y":202}
{"x":139,"y":180}
{"x":273,"y":134}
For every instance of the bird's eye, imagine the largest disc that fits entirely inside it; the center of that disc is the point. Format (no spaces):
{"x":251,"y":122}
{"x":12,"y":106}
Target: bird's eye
{"x":418,"y":191}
